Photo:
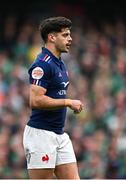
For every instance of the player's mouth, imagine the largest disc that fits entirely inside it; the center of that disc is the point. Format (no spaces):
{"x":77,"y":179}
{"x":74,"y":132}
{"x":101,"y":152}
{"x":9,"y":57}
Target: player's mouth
{"x":68,"y":45}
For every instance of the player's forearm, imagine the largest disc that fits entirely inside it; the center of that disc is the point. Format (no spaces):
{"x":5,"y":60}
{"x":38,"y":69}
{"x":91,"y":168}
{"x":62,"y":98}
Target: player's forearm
{"x":46,"y":102}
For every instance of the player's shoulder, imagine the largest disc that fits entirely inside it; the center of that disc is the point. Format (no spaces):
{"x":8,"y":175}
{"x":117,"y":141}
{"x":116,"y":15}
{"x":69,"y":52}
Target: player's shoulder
{"x":42,"y":63}
{"x":42,"y":60}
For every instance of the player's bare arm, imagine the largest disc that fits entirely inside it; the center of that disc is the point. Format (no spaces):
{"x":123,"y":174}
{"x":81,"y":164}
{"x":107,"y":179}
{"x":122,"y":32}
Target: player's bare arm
{"x":39,"y":100}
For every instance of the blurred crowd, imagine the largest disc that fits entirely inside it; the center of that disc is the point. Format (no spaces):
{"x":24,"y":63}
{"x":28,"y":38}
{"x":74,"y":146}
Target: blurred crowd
{"x":97,"y":72}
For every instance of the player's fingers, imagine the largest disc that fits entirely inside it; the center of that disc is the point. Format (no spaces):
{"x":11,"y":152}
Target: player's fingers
{"x":78,"y":111}
{"x":82,"y":105}
{"x":81,"y":108}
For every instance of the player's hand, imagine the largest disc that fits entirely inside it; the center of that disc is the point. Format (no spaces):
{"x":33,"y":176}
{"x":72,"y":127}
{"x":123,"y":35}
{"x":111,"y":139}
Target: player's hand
{"x":76,"y":106}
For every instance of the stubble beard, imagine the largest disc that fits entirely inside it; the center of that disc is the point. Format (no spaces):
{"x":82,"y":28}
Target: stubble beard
{"x":63,"y":50}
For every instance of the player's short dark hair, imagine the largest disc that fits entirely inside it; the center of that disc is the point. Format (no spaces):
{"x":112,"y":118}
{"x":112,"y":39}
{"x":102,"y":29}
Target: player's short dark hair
{"x":53,"y":24}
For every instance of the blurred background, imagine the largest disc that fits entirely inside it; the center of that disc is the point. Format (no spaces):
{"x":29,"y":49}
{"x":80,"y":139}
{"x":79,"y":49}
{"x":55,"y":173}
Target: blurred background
{"x":97,"y":70}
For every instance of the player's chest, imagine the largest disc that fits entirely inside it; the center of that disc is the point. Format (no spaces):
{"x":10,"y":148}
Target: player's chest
{"x":60,"y":79}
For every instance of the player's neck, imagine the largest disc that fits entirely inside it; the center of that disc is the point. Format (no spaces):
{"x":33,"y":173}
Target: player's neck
{"x":53,"y":50}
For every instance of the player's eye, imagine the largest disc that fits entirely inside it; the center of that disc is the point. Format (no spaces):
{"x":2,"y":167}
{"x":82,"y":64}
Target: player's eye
{"x":66,"y":34}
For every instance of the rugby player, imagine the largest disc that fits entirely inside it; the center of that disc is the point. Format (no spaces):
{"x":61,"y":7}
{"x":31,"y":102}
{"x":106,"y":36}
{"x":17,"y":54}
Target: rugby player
{"x":48,"y":148}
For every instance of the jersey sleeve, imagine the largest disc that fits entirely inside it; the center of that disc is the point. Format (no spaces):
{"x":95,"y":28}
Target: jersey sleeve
{"x":40,"y":74}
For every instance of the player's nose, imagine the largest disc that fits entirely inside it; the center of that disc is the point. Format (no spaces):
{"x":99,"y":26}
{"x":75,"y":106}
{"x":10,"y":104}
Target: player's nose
{"x":70,"y":38}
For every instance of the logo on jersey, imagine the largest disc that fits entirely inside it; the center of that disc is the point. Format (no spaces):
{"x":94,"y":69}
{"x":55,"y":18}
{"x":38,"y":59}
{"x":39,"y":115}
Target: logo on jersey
{"x":45,"y":158}
{"x":60,"y":75}
{"x":65,"y":84}
{"x":37,"y":73}
{"x":62,"y":92}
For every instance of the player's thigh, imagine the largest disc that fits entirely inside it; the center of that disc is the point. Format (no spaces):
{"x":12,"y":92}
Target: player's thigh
{"x":67,"y":171}
{"x":65,"y":152}
{"x":40,"y":173}
{"x":40,"y":150}
{"x":66,"y":166}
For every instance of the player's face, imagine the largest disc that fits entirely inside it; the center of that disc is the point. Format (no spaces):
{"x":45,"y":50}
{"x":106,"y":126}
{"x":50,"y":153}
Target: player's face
{"x":63,"y":40}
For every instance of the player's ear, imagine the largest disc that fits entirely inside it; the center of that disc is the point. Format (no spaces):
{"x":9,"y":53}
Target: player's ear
{"x":51,"y":37}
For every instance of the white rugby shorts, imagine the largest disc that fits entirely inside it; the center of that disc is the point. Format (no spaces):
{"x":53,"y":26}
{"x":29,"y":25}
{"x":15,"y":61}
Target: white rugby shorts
{"x":46,"y":149}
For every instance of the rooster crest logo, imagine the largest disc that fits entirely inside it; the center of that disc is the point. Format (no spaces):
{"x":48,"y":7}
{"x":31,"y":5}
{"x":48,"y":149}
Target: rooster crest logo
{"x":45,"y":158}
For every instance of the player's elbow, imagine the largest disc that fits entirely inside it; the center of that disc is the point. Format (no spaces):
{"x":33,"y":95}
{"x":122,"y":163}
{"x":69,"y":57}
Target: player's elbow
{"x":34,"y":103}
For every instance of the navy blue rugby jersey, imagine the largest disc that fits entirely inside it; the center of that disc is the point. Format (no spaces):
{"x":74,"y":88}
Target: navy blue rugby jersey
{"x":49,"y":72}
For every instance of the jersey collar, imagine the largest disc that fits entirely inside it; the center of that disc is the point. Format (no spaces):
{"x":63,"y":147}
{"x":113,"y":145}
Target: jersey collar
{"x":54,"y":58}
